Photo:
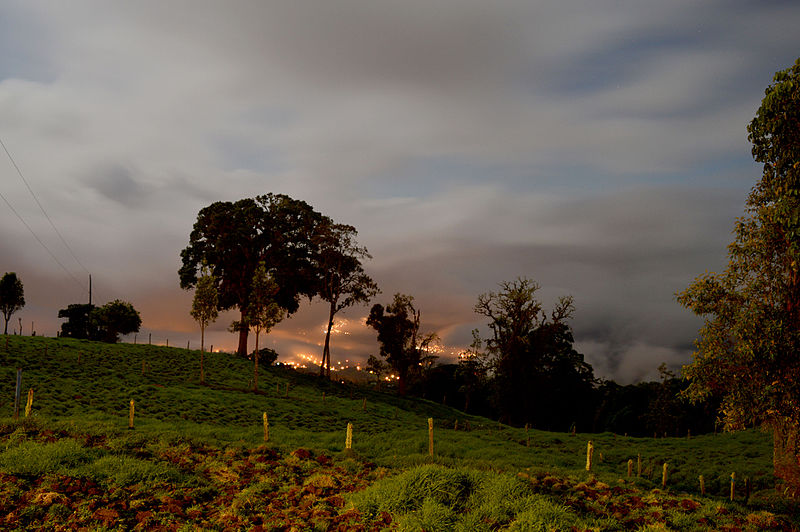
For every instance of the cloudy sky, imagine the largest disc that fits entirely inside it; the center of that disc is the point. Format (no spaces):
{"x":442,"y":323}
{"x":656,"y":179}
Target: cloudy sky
{"x":598,"y":147}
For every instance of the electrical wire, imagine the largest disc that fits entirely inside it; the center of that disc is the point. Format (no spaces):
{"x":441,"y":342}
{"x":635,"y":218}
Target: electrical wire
{"x":36,"y":199}
{"x":21,"y":219}
{"x":29,"y":228}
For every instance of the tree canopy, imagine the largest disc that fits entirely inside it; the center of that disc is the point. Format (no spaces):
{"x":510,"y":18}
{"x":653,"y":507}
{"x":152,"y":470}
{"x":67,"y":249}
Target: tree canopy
{"x":115,"y":318}
{"x":749,"y":346}
{"x":12,"y":296}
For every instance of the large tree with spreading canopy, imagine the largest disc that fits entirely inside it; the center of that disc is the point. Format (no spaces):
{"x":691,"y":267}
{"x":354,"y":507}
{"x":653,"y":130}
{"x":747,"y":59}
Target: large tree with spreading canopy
{"x":232,"y":238}
{"x":749,"y":347}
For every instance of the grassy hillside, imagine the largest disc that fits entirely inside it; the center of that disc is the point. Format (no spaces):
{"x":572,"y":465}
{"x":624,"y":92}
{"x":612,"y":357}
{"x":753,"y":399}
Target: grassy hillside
{"x":197,"y":456}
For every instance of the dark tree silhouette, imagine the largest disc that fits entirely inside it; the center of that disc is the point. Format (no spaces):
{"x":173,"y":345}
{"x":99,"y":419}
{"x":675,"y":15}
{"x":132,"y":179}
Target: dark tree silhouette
{"x":538,"y":376}
{"x":343,"y":282}
{"x":79,"y":321}
{"x":401,"y":344}
{"x":232,"y":238}
{"x":12,"y":297}
{"x":115,"y":318}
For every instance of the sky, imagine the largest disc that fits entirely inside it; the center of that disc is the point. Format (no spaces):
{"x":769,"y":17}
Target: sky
{"x":598,"y":147}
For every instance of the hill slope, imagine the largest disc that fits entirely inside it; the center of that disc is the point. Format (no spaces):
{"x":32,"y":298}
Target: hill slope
{"x":197,"y":455}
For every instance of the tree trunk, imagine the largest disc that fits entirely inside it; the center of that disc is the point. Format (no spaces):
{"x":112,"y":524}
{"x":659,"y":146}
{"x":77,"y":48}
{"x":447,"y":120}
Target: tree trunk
{"x":202,"y":347}
{"x":786,"y":458}
{"x":242,"y":350}
{"x":326,"y":351}
{"x":401,"y":385}
{"x":255,"y":362}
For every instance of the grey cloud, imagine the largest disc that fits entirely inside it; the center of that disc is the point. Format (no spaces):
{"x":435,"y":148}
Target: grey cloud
{"x":598,"y":147}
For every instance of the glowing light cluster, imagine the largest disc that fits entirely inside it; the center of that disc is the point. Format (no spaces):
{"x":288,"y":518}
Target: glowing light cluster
{"x":338,"y":327}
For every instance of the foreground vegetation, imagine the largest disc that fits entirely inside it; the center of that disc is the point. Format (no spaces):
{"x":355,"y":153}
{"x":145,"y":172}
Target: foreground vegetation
{"x":197,"y":456}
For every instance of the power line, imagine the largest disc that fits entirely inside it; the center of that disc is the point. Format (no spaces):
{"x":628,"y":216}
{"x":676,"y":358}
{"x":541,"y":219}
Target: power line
{"x":21,"y":219}
{"x":36,"y":199}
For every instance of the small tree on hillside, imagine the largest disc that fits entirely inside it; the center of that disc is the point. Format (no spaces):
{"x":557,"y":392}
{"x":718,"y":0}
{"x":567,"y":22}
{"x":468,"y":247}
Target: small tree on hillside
{"x":263,"y":313}
{"x":204,"y":309}
{"x":12,"y":296}
{"x":749,"y":347}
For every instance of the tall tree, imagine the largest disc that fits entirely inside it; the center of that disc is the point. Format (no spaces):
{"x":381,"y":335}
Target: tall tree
{"x":12,"y":296}
{"x":232,"y":238}
{"x":749,"y":347}
{"x":398,"y":335}
{"x":343,"y":282}
{"x":204,"y":309}
{"x":532,"y":357}
{"x":263,"y":312}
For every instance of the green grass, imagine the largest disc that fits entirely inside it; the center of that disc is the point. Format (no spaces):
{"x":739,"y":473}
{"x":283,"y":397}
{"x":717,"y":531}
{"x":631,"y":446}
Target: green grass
{"x":191,"y":436}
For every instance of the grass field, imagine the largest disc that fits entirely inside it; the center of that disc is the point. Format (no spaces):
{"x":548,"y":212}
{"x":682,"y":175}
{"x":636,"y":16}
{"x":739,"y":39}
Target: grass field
{"x":197,"y":459}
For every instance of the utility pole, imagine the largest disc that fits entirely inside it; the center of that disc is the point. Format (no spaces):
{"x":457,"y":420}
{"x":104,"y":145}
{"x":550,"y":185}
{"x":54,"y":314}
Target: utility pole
{"x":90,"y":288}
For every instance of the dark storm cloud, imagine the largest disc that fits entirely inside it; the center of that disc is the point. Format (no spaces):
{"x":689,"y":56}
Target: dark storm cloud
{"x":119,"y":184}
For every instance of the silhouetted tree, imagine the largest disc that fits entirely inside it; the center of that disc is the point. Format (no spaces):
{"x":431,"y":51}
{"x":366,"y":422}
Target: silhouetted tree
{"x":343,"y":282}
{"x":115,"y":318}
{"x":232,"y":238}
{"x":398,"y":335}
{"x":538,"y":377}
{"x":12,"y":296}
{"x":79,"y":322}
{"x":749,"y":347}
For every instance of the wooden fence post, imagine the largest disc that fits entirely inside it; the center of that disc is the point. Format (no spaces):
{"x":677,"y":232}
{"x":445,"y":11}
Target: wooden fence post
{"x":29,"y":405}
{"x":348,"y":441}
{"x":733,"y":486}
{"x":266,"y":427}
{"x":702,"y":486}
{"x":630,"y":468}
{"x":664,"y":476}
{"x":130,"y":415}
{"x":430,"y":436}
{"x":17,"y":393}
{"x":589,"y":455}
